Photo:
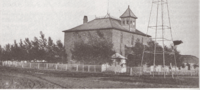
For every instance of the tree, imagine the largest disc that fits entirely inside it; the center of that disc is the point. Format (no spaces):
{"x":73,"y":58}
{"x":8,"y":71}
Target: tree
{"x":42,"y":46}
{"x":149,"y":55}
{"x":22,"y":51}
{"x":50,"y":50}
{"x":35,"y":50}
{"x":97,"y":50}
{"x":1,"y":53}
{"x":59,"y":51}
{"x":136,"y":58}
{"x":28,"y":47}
{"x":7,"y":52}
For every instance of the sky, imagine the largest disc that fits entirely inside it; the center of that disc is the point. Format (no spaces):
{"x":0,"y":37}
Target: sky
{"x":20,"y":19}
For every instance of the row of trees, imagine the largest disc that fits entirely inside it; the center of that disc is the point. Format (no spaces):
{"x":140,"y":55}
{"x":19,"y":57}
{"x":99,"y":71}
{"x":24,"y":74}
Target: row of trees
{"x":99,"y":50}
{"x":135,"y":60}
{"x":38,"y":49}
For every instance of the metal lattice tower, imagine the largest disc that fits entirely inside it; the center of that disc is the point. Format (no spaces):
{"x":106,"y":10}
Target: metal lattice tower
{"x":160,"y":26}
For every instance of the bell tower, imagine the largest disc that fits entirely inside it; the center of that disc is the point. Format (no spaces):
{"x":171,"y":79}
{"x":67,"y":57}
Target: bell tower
{"x":128,"y":20}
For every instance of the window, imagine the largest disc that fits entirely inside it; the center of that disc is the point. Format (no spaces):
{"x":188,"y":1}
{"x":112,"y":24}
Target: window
{"x":127,"y":22}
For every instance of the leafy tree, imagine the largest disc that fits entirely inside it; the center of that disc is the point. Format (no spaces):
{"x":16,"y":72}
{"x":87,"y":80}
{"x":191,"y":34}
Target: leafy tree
{"x":50,"y":51}
{"x":97,"y":50}
{"x":1,"y":53}
{"x":60,"y":51}
{"x":42,"y":46}
{"x":135,"y":60}
{"x":149,"y":56}
{"x":28,"y":47}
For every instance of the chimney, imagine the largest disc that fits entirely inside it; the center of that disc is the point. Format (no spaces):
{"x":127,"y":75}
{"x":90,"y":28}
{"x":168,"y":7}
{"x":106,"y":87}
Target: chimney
{"x":85,"y":19}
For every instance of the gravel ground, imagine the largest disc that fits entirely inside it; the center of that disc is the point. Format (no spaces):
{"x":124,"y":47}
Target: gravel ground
{"x":13,"y":78}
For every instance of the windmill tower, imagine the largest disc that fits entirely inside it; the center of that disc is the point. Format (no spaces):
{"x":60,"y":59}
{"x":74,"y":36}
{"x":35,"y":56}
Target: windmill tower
{"x":159,"y":27}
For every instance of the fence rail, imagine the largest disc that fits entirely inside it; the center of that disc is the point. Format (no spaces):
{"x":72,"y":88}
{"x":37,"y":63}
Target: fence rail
{"x":53,"y":66}
{"x":132,"y":71}
{"x":140,"y":71}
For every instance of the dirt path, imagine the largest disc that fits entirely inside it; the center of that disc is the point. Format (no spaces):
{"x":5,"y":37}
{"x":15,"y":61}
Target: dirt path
{"x":24,"y":78}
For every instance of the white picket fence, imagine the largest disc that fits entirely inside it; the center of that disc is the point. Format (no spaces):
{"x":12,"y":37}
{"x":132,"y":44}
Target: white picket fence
{"x":148,"y":71}
{"x":132,"y":71}
{"x":54,"y":66}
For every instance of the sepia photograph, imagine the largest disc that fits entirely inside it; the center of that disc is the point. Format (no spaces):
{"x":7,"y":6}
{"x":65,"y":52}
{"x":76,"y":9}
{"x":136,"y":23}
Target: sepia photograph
{"x":99,"y":44}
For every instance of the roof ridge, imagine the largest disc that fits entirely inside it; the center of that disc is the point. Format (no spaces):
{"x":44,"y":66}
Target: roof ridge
{"x":79,"y":25}
{"x":128,"y":13}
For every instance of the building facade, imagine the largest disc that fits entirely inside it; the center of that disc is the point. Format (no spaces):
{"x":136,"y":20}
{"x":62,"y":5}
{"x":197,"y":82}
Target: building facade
{"x":121,"y":32}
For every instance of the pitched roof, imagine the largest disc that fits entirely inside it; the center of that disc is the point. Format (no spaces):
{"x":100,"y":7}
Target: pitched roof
{"x":102,"y":24}
{"x":128,"y":13}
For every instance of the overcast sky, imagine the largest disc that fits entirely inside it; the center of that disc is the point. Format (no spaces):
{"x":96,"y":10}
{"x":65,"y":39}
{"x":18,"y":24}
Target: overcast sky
{"x":20,"y":19}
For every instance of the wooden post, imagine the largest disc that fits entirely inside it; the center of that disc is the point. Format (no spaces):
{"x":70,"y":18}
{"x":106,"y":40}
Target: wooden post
{"x":83,"y":68}
{"x":115,"y":67}
{"x":131,"y":73}
{"x":38,"y":65}
{"x":88,"y":68}
{"x":77,"y":68}
{"x":30,"y":65}
{"x":66,"y":66}
{"x":47,"y":66}
{"x":22,"y":65}
{"x":95,"y":68}
{"x":56,"y":66}
{"x":9,"y":64}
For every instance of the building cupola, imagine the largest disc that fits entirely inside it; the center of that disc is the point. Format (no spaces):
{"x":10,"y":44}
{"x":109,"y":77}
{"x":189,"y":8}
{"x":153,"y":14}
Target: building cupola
{"x":128,"y":20}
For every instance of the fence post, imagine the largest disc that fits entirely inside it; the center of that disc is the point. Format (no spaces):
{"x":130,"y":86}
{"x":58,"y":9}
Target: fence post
{"x":56,"y":66}
{"x":30,"y":65}
{"x":47,"y":66}
{"x":83,"y":67}
{"x":66,"y":66}
{"x":88,"y":68}
{"x":11,"y":63}
{"x":172,"y":74}
{"x":77,"y":68}
{"x":22,"y":65}
{"x":94,"y":68}
{"x":131,"y":71}
{"x":38,"y":65}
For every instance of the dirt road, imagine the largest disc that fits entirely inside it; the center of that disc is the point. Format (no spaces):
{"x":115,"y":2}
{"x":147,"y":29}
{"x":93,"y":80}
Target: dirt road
{"x":27,"y":78}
